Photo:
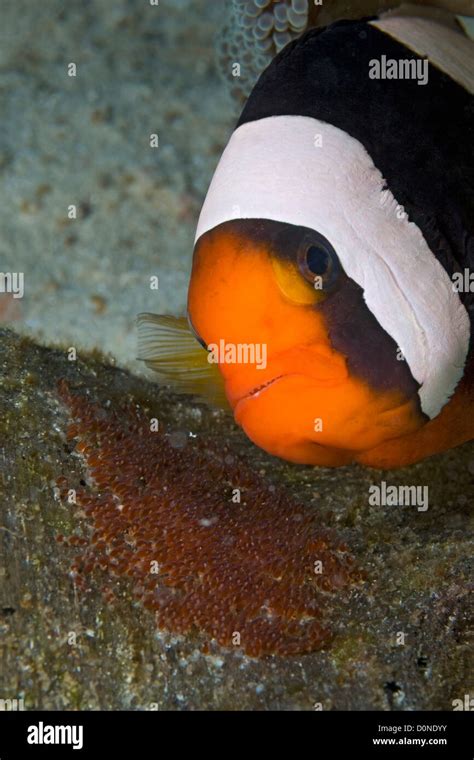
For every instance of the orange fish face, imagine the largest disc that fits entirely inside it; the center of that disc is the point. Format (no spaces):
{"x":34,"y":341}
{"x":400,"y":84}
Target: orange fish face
{"x":294,"y":342}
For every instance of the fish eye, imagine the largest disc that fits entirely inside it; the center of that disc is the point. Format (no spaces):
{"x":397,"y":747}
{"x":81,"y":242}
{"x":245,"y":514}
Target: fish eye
{"x":318,"y":259}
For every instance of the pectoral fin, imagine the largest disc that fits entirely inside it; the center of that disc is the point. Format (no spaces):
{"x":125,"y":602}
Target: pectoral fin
{"x":168,"y":346}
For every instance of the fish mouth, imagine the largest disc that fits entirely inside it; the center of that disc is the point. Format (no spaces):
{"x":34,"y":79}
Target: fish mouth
{"x":259,"y":388}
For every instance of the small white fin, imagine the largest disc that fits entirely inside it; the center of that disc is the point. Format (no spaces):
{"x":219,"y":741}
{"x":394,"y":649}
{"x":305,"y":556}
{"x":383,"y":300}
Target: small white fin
{"x":168,"y":346}
{"x":451,"y":52}
{"x":439,"y":15}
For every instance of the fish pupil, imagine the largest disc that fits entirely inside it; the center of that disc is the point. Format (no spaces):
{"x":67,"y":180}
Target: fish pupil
{"x":317,"y":260}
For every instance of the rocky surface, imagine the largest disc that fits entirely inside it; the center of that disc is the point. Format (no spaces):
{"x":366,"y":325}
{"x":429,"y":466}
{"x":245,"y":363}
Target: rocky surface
{"x":63,"y":649}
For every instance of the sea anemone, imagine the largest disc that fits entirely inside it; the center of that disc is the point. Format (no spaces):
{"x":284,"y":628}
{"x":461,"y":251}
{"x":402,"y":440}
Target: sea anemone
{"x":255,"y":32}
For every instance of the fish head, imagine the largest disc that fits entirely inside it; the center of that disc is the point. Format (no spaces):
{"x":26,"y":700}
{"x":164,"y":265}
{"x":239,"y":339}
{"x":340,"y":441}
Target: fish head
{"x":309,"y":373}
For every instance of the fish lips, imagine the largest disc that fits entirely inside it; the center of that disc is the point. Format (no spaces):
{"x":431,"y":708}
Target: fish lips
{"x":245,"y":384}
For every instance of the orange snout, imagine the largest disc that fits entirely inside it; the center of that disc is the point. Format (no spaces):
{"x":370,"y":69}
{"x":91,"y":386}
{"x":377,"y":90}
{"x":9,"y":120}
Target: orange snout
{"x":290,"y":391}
